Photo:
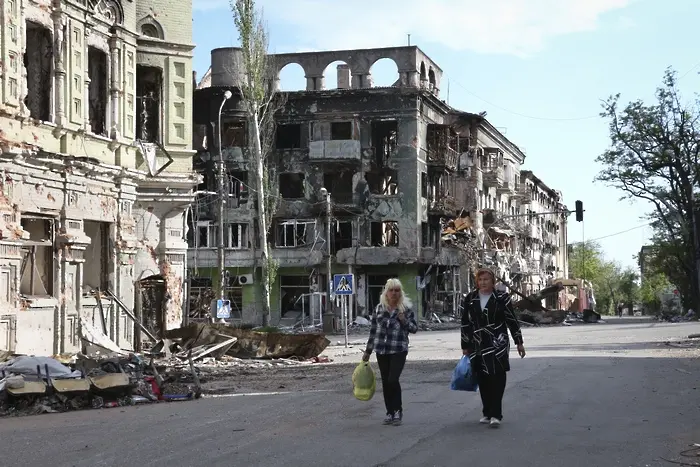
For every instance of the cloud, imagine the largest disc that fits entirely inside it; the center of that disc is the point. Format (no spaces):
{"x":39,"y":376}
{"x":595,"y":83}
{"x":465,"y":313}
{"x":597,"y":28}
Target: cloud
{"x":513,"y":27}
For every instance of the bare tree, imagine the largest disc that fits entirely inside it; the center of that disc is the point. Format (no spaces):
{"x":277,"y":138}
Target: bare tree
{"x":262,"y":101}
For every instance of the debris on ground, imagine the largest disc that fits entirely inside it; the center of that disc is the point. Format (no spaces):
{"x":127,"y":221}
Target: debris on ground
{"x":104,"y":376}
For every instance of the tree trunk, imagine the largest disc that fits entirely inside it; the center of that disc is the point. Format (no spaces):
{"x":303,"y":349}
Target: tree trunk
{"x":262,"y":213}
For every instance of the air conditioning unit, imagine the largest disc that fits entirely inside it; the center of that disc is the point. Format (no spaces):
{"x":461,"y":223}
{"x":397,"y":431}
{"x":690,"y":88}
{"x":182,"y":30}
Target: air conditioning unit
{"x":245,"y":279}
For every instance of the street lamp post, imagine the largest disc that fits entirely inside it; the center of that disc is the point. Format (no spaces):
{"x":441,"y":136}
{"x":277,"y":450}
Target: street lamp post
{"x":222,"y":203}
{"x":328,"y":323}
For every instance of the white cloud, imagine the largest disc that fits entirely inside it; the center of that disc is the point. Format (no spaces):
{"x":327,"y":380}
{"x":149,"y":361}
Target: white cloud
{"x":514,"y":27}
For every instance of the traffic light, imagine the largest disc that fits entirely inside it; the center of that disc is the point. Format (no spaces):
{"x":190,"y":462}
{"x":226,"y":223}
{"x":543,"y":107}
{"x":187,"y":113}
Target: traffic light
{"x":579,"y":211}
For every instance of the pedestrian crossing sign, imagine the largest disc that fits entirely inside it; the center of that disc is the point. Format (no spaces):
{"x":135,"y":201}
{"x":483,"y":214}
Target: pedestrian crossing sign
{"x":343,"y":284}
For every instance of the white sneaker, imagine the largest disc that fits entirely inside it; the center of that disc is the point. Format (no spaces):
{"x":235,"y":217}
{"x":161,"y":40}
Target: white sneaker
{"x":485,"y":420}
{"x":495,"y":423}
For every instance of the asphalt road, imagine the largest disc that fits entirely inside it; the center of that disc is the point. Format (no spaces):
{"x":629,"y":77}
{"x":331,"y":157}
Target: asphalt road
{"x":599,"y":395}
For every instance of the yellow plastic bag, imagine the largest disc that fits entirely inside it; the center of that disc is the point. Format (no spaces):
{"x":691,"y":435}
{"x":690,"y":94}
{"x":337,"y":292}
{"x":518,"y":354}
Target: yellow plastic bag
{"x":364,"y":382}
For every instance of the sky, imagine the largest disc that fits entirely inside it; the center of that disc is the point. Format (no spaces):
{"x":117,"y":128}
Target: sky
{"x":539,"y":68}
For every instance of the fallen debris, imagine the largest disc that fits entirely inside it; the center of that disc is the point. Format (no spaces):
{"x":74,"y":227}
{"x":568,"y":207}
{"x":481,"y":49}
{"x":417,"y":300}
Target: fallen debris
{"x":247,"y":343}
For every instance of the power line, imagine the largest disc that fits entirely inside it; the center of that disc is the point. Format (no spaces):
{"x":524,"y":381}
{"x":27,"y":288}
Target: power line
{"x":531,"y":117}
{"x":616,"y":233}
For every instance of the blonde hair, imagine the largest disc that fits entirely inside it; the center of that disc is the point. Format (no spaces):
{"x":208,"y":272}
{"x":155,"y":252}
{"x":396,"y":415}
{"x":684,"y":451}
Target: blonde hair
{"x":404,"y":302}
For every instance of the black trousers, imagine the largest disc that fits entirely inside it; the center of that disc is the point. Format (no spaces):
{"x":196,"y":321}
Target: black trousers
{"x":491,"y":389}
{"x":390,"y":368}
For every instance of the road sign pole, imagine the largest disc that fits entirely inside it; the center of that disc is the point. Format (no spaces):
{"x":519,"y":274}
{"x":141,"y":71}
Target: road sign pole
{"x":345,"y":314}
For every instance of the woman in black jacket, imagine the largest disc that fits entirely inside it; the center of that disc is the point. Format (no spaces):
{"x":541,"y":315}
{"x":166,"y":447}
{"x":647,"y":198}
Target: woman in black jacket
{"x":487,"y":316}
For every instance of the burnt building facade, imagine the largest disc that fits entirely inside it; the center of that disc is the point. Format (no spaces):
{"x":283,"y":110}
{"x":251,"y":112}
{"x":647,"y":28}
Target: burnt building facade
{"x":404,"y":169}
{"x":96,"y":171}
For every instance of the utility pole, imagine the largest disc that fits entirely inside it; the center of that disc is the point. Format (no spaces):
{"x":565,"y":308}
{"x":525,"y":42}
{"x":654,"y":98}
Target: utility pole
{"x":221,"y":198}
{"x":329,"y":275}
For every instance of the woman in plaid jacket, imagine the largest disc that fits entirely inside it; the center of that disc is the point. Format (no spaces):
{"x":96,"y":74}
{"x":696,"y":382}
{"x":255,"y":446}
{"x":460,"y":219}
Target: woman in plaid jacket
{"x":392,"y":321}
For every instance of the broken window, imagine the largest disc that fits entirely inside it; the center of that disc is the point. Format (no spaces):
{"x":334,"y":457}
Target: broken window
{"x":237,"y":236}
{"x":233,"y":134}
{"x":37,"y":271}
{"x":97,"y":269}
{"x":430,"y":233}
{"x":442,"y":144}
{"x":38,"y":61}
{"x":207,"y":235}
{"x":341,"y":130}
{"x":97,"y":71}
{"x":375,"y":286}
{"x":295,"y":233}
{"x":424,"y":184}
{"x":149,"y":90}
{"x":383,"y":182}
{"x":384,"y":140}
{"x":339,"y":184}
{"x":342,"y":235}
{"x":384,"y":233}
{"x":292,"y":185}
{"x":288,"y":136}
{"x":238,"y":188}
{"x":294,"y":293}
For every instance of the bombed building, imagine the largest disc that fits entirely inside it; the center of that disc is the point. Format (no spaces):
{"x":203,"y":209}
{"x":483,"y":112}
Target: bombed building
{"x":96,"y":162}
{"x":419,"y":190}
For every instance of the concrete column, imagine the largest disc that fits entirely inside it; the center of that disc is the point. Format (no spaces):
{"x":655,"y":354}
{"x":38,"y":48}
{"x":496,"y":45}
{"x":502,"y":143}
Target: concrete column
{"x":86,"y":93}
{"x":59,"y":85}
{"x":23,"y":88}
{"x":113,"y":123}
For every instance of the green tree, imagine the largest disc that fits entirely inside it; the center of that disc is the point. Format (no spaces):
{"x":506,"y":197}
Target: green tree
{"x":261,"y":101}
{"x":653,"y":285}
{"x":611,"y":284}
{"x":654,"y":156}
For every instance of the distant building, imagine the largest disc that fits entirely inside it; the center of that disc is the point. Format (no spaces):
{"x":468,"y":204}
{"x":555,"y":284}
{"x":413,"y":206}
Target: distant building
{"x":420,"y":190}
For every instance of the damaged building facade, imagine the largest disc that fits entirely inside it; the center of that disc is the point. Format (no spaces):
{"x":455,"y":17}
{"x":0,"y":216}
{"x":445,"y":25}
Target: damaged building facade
{"x":96,"y":162}
{"x":413,"y":182}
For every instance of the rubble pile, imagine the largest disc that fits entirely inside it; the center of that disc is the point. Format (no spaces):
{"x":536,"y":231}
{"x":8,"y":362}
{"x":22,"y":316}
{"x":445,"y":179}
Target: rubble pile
{"x":110,"y":377}
{"x":32,"y":385}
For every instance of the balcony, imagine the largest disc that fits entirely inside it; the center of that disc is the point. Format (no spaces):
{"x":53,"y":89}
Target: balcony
{"x":443,"y":157}
{"x":506,"y":188}
{"x":335,"y":150}
{"x":493,"y":177}
{"x":443,"y":206}
{"x":522,"y":194}
{"x":533,"y":266}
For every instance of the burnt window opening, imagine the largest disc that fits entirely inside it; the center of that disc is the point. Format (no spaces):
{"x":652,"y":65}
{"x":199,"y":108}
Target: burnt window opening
{"x":424,"y":184}
{"x":384,"y":233}
{"x":340,"y":186}
{"x":236,"y":236}
{"x":98,"y":92}
{"x":341,"y":130}
{"x":149,"y":94}
{"x":383,"y":182}
{"x":233,"y":134}
{"x":292,"y":185}
{"x":430,"y":234}
{"x":38,"y":61}
{"x":288,"y":136}
{"x":96,"y":274}
{"x":384,"y":140}
{"x":206,"y":235}
{"x":37,"y":269}
{"x":375,"y":286}
{"x":342,"y":235}
{"x":441,"y":142}
{"x":295,"y":233}
{"x":439,"y":186}
{"x":238,"y":188}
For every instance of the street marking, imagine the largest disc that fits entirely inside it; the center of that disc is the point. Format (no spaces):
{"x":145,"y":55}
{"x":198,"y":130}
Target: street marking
{"x":276,"y":393}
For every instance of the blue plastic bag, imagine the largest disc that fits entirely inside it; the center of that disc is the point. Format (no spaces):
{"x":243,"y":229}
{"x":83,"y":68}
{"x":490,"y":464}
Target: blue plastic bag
{"x":463,"y":378}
